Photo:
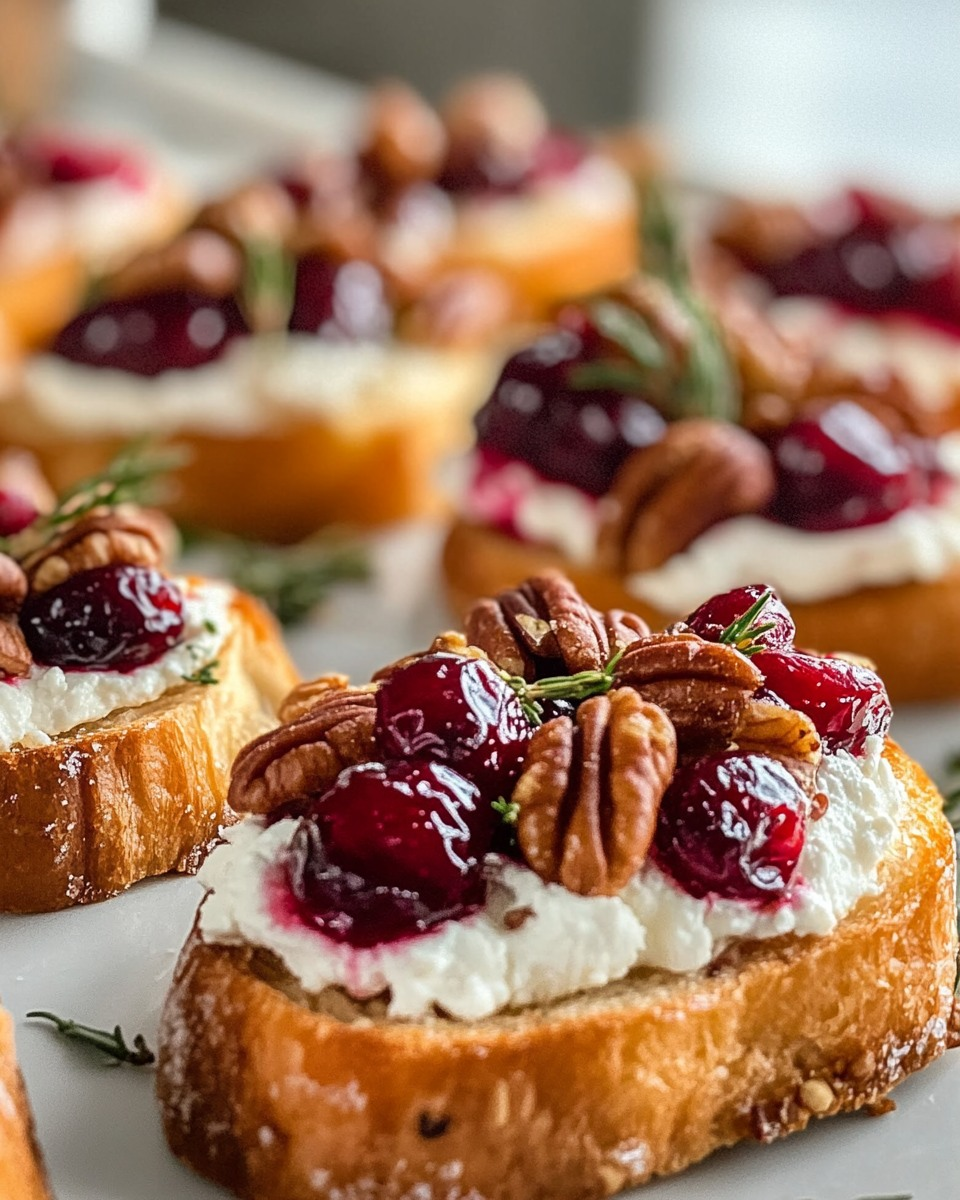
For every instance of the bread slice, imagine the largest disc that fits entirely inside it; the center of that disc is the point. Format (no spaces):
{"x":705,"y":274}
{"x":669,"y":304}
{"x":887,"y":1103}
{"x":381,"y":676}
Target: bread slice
{"x":911,"y":631}
{"x":142,"y":791}
{"x":280,"y":1096}
{"x":21,"y":1169}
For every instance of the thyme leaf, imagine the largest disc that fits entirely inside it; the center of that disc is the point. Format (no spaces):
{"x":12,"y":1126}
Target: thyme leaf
{"x":580,"y":686}
{"x":509,"y":810}
{"x":268,"y":285}
{"x":206,"y":675}
{"x":132,"y":477}
{"x":112,"y":1044}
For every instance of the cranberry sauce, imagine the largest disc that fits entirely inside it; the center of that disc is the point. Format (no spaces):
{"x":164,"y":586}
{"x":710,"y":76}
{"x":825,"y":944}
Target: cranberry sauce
{"x":340,"y":301}
{"x":471,"y":172}
{"x":16,"y":512}
{"x":875,"y":256}
{"x":390,"y":851}
{"x":117,"y":618}
{"x":731,"y":826}
{"x":146,"y":335}
{"x":572,"y":435}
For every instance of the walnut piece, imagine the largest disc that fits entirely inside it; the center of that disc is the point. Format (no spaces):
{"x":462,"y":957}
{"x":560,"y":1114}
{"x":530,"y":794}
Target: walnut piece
{"x":545,"y":627}
{"x":702,"y":686}
{"x":665,"y":495}
{"x":13,"y":585}
{"x":590,"y":792}
{"x":304,"y":757}
{"x":125,"y":534}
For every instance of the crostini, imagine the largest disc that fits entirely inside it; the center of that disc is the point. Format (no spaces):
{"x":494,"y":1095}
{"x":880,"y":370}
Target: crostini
{"x":125,"y":692}
{"x":558,"y":906}
{"x":22,"y":1176}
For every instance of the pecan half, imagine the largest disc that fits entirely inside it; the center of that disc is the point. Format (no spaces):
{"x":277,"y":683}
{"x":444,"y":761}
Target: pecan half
{"x":461,"y":309}
{"x":304,"y":757}
{"x":702,"y":686}
{"x":199,"y":260}
{"x":589,"y":793}
{"x":308,"y":694}
{"x":769,"y":728}
{"x":667,"y":494}
{"x":126,"y":534}
{"x":545,"y":627}
{"x":15,"y":656}
{"x":20,"y":473}
{"x":405,"y":140}
{"x":259,"y":211}
{"x":450,"y":642}
{"x":13,"y":585}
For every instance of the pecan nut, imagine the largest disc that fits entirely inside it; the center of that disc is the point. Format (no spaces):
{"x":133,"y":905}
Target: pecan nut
{"x":15,"y":656}
{"x":126,"y":534}
{"x":308,"y":694}
{"x":766,"y":727}
{"x":461,"y":309}
{"x":303,"y":758}
{"x":13,"y":585}
{"x":199,"y":260}
{"x":702,"y":686}
{"x":665,"y":495}
{"x":545,"y":627}
{"x":405,"y":141}
{"x":450,"y":642}
{"x":589,"y":793}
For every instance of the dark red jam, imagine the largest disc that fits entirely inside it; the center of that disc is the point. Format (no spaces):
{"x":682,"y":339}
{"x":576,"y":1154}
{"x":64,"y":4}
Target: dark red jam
{"x":340,"y":301}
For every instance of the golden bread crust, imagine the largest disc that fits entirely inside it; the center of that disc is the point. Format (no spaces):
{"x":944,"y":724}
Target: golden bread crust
{"x":280,"y":1100}
{"x":21,"y":1170}
{"x":143,"y":791}
{"x":911,"y":631}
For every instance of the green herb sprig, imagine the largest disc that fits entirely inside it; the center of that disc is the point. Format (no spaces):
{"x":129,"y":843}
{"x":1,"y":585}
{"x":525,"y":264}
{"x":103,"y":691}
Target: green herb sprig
{"x":268,"y":285}
{"x":134,"y":476}
{"x":575,"y":688}
{"x":206,"y":675}
{"x":744,"y":633}
{"x":508,"y":810}
{"x":112,"y":1044}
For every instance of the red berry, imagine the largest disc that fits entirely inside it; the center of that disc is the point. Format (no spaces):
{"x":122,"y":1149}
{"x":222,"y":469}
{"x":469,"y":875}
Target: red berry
{"x":16,"y":513}
{"x":390,"y":850}
{"x":716,"y":614}
{"x":147,"y":335}
{"x":842,"y":468}
{"x":845,"y":702}
{"x":458,"y":711}
{"x":343,"y":302}
{"x":732,"y":826}
{"x":116,"y":618}
{"x":85,"y":162}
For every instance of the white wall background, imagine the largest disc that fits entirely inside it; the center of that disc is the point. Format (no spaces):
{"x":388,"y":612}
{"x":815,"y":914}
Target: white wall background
{"x":785,"y":94}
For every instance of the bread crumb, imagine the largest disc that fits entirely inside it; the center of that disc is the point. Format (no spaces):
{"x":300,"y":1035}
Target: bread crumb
{"x":817,"y":1096}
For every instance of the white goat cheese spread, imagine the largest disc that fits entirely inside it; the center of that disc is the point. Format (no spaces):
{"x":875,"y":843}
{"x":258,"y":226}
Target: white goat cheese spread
{"x":50,"y":701}
{"x":473,"y":967}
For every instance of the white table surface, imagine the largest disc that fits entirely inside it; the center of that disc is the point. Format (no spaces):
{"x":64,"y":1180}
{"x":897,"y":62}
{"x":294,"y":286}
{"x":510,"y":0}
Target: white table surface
{"x":214,"y":110}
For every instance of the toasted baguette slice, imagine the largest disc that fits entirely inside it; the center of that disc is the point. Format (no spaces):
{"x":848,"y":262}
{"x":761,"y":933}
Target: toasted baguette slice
{"x":924,"y":665}
{"x":280,"y":1096}
{"x":21,"y":1170}
{"x":143,"y":791}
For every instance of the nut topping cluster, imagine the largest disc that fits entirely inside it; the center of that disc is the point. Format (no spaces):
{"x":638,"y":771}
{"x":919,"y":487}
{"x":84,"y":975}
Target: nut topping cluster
{"x":578,"y":742}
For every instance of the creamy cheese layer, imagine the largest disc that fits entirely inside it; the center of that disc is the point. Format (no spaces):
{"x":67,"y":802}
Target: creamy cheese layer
{"x":474,"y":967}
{"x":918,"y":544}
{"x":255,"y":384}
{"x":50,"y":701}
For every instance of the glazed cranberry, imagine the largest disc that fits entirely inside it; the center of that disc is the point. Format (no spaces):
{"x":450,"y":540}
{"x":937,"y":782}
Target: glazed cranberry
{"x":715,"y":615}
{"x":390,"y":850}
{"x":842,"y":468}
{"x":83,"y":162}
{"x":875,"y":255}
{"x":116,"y":618}
{"x":344,"y":302}
{"x":845,"y":702}
{"x":458,"y":711}
{"x":573,"y":436}
{"x":16,"y":513}
{"x":147,"y":335}
{"x":732,"y":826}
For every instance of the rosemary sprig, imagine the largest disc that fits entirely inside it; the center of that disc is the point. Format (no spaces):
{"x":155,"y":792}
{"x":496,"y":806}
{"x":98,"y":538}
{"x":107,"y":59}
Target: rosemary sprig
{"x":293,"y":580}
{"x":206,"y":675}
{"x":580,"y":686}
{"x":133,"y":477}
{"x":112,"y":1044}
{"x":743,"y":633}
{"x":268,"y":285}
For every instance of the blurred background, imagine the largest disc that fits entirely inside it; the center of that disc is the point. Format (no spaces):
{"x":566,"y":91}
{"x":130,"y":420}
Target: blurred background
{"x":744,"y":92}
